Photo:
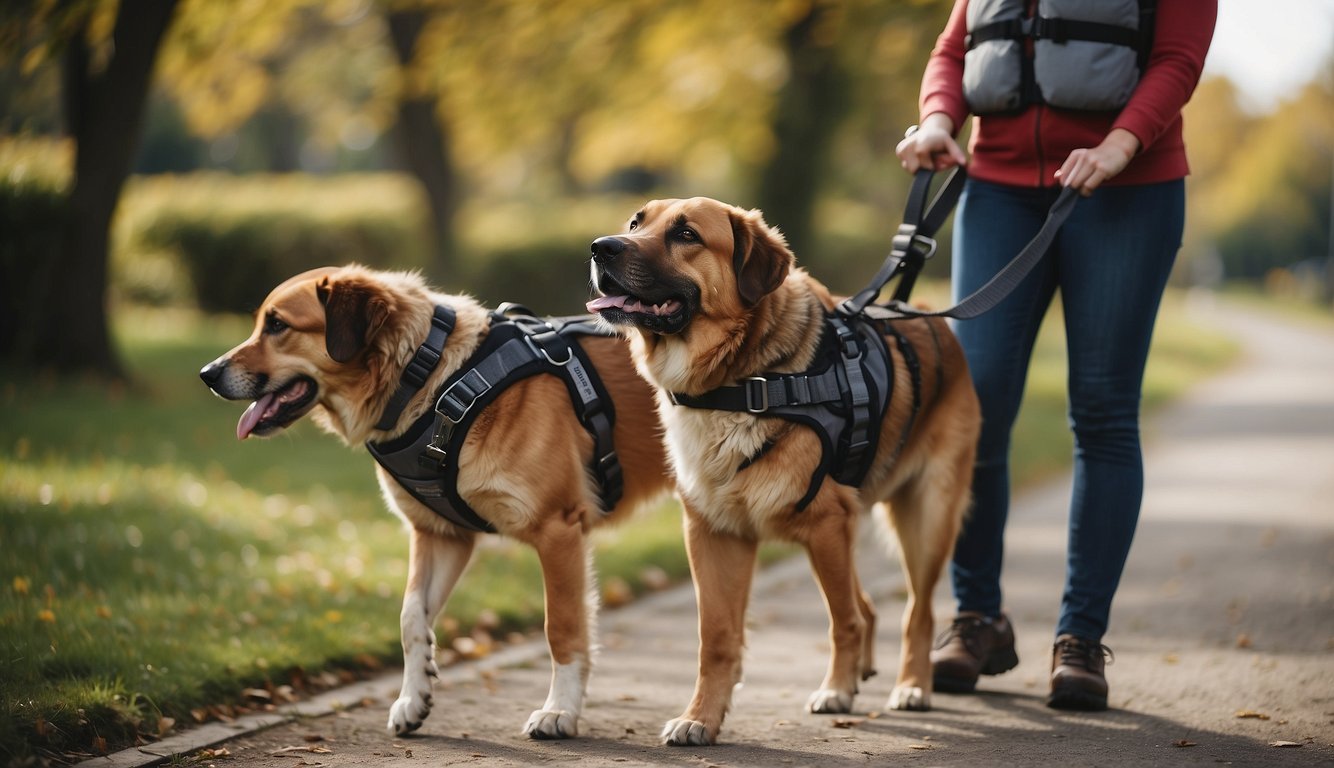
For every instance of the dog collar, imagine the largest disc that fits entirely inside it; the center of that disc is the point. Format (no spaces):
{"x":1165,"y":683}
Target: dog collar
{"x":419,"y":368}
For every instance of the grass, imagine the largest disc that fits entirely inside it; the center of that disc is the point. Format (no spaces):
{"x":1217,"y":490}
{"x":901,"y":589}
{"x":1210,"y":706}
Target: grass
{"x":155,"y":567}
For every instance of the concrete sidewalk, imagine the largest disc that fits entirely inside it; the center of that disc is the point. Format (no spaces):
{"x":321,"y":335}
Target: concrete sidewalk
{"x":1223,"y":627}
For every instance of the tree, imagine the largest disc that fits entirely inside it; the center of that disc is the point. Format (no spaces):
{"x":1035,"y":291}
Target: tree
{"x":810,"y":107}
{"x":104,"y":89}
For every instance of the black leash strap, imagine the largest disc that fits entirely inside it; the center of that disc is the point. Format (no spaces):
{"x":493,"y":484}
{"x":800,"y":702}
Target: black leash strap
{"x":915,"y":242}
{"x":983,"y":299}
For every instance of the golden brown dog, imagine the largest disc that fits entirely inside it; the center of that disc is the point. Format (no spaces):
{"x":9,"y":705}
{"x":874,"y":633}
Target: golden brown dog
{"x":708,"y":295}
{"x":333,"y":342}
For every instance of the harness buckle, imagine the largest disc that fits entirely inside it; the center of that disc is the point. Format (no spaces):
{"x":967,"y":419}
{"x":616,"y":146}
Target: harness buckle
{"x":454,"y":405}
{"x":757,"y":391}
{"x":434,"y":457}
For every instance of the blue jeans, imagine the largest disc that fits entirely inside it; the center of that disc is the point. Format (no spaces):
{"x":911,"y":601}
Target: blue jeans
{"x":1110,"y":262}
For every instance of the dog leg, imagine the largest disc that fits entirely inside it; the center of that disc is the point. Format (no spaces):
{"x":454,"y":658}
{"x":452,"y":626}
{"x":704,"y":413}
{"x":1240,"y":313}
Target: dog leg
{"x":830,"y":549}
{"x":570,"y":608}
{"x":864,"y":603}
{"x":434,"y":566}
{"x":926,"y":517}
{"x":722,"y":565}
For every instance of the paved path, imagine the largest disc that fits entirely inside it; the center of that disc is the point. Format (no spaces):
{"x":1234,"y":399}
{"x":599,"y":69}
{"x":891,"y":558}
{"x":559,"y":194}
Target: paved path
{"x":1227,"y":609}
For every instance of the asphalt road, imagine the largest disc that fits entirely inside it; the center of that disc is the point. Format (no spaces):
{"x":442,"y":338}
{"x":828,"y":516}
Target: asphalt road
{"x":1223,"y":629}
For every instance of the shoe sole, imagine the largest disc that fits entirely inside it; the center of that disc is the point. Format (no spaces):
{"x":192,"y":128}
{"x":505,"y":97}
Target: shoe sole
{"x":1077,"y":699}
{"x":997,"y":663}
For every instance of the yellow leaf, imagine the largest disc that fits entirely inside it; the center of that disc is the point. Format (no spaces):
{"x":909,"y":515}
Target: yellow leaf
{"x":21,"y":585}
{"x":103,"y":612}
{"x":46,"y":615}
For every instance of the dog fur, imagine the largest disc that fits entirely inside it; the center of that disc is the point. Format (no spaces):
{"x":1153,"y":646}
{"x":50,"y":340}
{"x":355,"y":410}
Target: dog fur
{"x":333,"y":342}
{"x":708,"y":295}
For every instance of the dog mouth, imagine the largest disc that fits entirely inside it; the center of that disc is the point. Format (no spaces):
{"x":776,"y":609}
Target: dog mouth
{"x":621,"y":307}
{"x":277,"y":409}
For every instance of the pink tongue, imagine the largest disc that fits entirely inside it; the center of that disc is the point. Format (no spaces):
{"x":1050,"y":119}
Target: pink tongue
{"x":606,"y":302}
{"x":253,"y":414}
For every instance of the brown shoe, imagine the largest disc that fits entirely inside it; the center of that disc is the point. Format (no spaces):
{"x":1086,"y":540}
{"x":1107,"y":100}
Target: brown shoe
{"x":1077,"y":679}
{"x":973,"y":645}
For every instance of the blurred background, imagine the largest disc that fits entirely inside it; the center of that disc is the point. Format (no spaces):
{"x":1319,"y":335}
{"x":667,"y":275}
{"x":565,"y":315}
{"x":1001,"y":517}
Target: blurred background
{"x":190,"y":153}
{"x":165,"y":163}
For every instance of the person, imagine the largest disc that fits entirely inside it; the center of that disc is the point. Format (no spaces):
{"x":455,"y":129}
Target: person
{"x":1050,"y":113}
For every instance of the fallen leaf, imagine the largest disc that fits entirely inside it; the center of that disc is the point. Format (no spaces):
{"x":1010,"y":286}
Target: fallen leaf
{"x":616,"y":592}
{"x":1285,"y":744}
{"x":313,"y":737}
{"x":846,"y":722}
{"x":199,"y":715}
{"x":290,"y":750}
{"x":1184,"y":743}
{"x":258,"y":694}
{"x":1246,"y":713}
{"x":100,"y":744}
{"x":1243,"y":640}
{"x":920,"y":746}
{"x":164,"y":725}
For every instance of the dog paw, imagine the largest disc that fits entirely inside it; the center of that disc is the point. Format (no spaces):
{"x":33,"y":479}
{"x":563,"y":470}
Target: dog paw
{"x":828,"y":701}
{"x":551,"y":724}
{"x":909,"y":698}
{"x":407,"y":714}
{"x":686,"y":733}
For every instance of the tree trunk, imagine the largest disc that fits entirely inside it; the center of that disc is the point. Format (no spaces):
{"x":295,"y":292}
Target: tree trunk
{"x":422,"y":142}
{"x":105,"y":112}
{"x":809,"y":110}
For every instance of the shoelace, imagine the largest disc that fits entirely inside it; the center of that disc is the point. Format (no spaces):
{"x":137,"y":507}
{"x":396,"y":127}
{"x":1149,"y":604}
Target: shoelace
{"x":1074,"y":652}
{"x":966,"y":628}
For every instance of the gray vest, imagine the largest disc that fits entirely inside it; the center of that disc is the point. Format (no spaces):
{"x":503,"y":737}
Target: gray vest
{"x":1086,"y":54}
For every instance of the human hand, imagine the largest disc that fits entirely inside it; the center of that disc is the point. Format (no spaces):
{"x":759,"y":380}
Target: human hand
{"x":1086,"y":169}
{"x":931,"y":146}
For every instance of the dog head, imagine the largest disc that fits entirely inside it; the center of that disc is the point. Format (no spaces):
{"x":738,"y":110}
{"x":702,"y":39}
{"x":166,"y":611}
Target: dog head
{"x":680,"y":261}
{"x":322,"y":338}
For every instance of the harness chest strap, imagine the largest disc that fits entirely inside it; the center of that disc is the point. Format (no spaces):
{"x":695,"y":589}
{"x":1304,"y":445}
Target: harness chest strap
{"x":843,"y":404}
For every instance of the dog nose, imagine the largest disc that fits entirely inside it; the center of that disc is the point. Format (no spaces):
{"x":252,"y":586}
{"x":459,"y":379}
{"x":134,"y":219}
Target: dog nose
{"x":606,"y":249}
{"x":212,"y":372}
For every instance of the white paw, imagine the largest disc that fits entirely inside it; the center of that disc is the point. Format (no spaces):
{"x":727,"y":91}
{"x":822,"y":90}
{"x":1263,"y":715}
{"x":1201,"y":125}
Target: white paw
{"x":407,"y":714}
{"x":552,"y":724}
{"x":685,"y":733}
{"x":909,"y":698}
{"x":828,"y":701}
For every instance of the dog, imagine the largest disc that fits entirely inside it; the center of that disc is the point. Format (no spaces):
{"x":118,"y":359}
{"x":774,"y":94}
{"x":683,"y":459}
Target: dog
{"x":709,"y":296}
{"x":334,"y":342}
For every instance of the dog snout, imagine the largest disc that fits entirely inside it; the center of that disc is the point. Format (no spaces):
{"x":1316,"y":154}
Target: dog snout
{"x":607,"y":249}
{"x":212,"y":373}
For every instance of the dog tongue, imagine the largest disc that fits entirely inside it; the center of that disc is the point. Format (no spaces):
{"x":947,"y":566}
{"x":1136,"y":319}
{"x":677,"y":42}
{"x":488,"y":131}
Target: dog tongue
{"x":253,"y":414}
{"x":606,"y":302}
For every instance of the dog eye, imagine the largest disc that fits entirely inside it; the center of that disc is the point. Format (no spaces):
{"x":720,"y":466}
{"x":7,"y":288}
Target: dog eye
{"x":687,"y":235}
{"x":633,"y":226}
{"x":274,"y":325}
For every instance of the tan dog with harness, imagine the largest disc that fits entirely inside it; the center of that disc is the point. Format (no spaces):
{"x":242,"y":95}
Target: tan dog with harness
{"x":786,"y":421}
{"x":469,"y":413}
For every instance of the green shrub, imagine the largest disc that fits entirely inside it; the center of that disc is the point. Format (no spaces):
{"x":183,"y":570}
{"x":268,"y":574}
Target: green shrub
{"x":34,"y":183}
{"x":231,"y":239}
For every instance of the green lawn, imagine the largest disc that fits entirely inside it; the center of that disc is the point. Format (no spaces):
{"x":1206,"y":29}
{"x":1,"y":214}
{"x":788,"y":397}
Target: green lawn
{"x":154,"y":566}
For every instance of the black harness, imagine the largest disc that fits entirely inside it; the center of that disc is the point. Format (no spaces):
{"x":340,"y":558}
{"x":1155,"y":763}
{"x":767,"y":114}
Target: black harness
{"x":844,"y":394}
{"x":424,"y":459}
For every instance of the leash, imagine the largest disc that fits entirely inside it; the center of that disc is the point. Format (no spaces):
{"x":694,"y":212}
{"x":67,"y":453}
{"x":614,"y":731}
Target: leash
{"x":915,"y":243}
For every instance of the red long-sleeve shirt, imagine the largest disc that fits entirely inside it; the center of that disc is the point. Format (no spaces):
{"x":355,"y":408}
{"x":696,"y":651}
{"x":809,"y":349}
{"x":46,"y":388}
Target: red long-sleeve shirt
{"x":1025,"y":149}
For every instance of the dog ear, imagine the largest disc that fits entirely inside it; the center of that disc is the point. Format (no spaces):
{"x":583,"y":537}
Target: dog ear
{"x":760,"y":256}
{"x":354,"y":311}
